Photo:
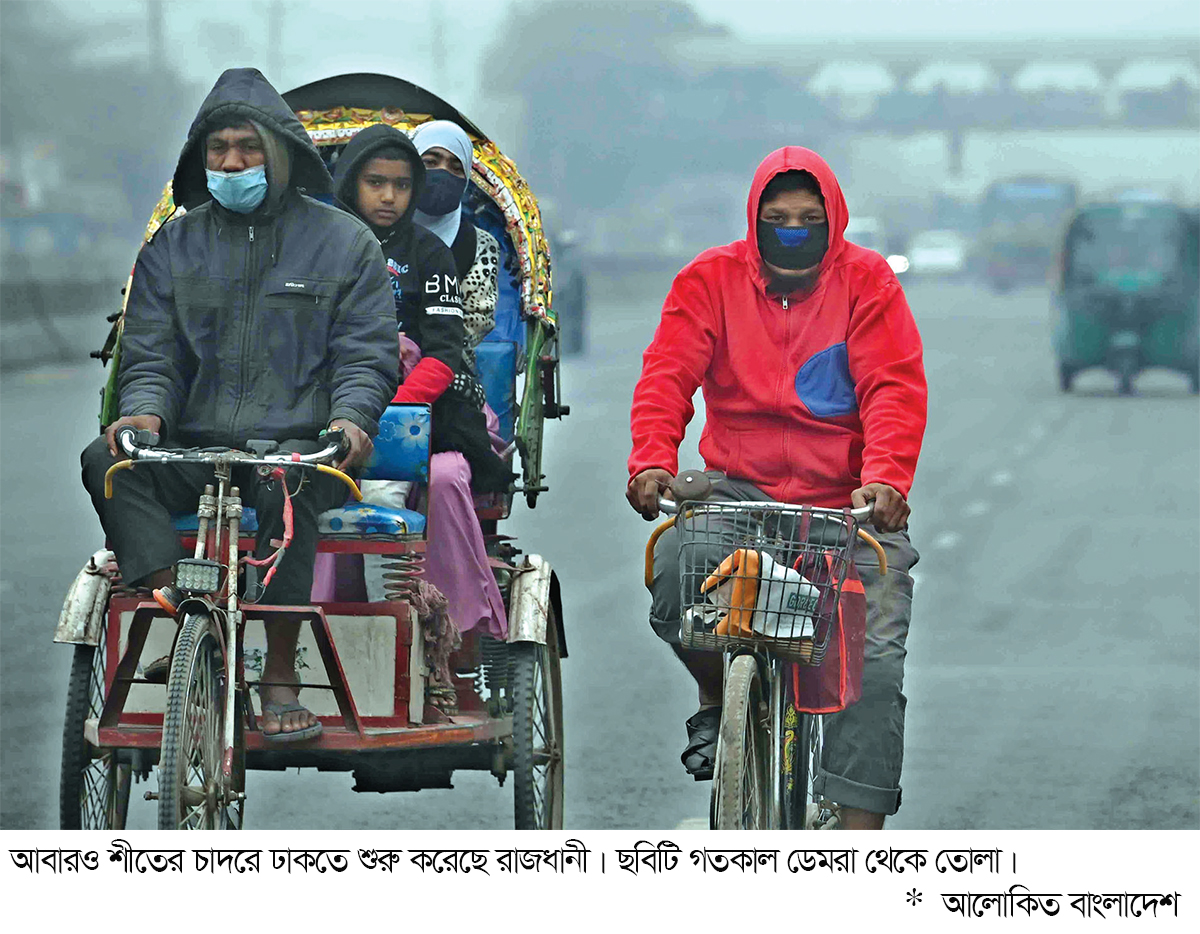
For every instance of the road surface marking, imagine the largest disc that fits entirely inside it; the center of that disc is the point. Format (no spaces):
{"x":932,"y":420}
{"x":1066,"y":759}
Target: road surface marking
{"x":947,"y":540}
{"x":693,"y":823}
{"x":1001,"y":478}
{"x":976,"y":508}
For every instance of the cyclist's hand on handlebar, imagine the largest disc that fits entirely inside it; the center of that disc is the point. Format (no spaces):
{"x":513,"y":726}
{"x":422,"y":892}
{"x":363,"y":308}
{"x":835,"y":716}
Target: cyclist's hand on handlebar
{"x":891,"y":509}
{"x":644,"y":490}
{"x":361,"y":446}
{"x":137,"y":423}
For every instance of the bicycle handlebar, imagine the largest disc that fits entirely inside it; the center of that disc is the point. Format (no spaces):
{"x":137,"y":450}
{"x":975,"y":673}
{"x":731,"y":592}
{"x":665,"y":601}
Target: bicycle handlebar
{"x":670,"y":507}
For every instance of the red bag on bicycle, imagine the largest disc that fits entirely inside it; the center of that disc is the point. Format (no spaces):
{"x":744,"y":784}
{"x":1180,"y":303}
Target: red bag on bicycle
{"x":836,"y":682}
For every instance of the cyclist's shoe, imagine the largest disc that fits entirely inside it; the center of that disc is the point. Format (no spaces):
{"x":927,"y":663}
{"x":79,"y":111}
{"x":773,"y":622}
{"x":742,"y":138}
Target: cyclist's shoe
{"x":701,"y":752}
{"x":168,"y":597}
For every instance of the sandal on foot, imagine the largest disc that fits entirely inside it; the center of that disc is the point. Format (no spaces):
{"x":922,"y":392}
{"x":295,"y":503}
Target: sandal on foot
{"x":442,"y":698}
{"x":277,"y":710}
{"x":701,"y":752}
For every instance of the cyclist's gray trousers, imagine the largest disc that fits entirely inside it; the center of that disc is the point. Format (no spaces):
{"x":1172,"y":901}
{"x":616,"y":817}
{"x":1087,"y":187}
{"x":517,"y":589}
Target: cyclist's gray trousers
{"x":864,"y":744}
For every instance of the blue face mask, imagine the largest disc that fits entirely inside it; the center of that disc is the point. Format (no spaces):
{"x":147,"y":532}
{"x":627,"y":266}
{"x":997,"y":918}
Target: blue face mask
{"x":240,"y":192}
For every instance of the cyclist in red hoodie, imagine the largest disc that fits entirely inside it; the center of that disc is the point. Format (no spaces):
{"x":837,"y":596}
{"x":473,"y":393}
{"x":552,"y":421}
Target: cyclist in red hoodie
{"x":810,"y":364}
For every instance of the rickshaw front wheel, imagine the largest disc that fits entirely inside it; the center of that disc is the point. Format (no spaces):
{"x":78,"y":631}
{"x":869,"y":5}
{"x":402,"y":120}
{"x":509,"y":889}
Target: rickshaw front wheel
{"x":537,"y":732}
{"x":93,"y":788}
{"x":189,"y":769}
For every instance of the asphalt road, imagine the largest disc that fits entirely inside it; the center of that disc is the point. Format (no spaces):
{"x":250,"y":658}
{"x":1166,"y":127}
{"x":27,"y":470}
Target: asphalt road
{"x":1054,"y":658}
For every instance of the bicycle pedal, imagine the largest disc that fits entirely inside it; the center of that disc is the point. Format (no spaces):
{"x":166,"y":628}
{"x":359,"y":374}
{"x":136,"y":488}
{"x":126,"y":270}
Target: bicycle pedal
{"x":151,"y":796}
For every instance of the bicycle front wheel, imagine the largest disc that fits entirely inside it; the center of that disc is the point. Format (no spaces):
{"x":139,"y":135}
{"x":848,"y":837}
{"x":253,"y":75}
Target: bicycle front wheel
{"x":740,"y":799}
{"x":191,"y":795}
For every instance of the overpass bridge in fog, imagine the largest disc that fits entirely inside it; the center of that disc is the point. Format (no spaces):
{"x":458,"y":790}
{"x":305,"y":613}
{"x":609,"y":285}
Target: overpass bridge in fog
{"x":903,"y":57}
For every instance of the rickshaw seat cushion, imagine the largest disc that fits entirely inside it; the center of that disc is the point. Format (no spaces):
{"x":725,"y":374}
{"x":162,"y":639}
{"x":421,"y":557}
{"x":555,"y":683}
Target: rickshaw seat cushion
{"x":369,"y":519}
{"x":402,"y":445}
{"x":190,"y":522}
{"x":497,"y":361}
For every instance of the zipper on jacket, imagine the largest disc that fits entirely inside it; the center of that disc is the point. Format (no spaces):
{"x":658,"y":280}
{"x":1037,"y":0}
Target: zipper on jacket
{"x":242,"y":362}
{"x":785,"y":301}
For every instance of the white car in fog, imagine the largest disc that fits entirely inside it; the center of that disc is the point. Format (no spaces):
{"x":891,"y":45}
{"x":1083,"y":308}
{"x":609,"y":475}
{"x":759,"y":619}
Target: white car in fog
{"x":937,"y":253}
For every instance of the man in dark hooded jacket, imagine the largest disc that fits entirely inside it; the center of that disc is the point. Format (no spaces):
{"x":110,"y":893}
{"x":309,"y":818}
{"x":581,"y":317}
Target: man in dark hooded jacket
{"x":258,"y":313}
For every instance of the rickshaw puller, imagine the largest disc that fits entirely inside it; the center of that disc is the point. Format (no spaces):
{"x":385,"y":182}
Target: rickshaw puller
{"x":815,"y":393}
{"x":259,"y":313}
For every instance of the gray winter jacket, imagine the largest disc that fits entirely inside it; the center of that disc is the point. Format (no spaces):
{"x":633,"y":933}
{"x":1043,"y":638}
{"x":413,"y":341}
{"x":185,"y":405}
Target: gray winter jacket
{"x":262,"y":325}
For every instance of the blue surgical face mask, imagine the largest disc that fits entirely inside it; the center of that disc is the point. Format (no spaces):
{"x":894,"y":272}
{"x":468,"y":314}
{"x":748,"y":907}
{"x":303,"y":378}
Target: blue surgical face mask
{"x":240,"y":192}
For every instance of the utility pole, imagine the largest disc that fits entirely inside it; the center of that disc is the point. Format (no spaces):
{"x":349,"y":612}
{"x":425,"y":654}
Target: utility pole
{"x":156,"y":45}
{"x":275,"y":43}
{"x":437,"y":47}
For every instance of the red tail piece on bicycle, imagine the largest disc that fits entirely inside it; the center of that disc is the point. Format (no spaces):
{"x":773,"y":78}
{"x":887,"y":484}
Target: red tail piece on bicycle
{"x":836,"y":683}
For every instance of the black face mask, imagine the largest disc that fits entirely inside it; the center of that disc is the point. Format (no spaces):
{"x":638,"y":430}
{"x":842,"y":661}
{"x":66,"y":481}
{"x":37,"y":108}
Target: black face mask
{"x":792,"y":247}
{"x":442,"y":193}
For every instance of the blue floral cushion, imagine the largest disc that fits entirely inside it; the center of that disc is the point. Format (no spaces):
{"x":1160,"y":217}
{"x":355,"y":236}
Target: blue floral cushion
{"x":190,"y":522}
{"x":369,"y":519}
{"x":402,"y":445}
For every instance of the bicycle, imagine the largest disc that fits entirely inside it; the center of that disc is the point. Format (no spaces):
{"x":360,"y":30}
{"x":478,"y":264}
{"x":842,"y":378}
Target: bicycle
{"x":201,"y":764}
{"x":761,"y":582}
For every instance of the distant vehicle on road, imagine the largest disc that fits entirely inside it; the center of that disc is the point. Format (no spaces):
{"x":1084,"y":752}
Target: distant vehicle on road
{"x":937,"y":253}
{"x":1022,"y":220}
{"x":869,"y":232}
{"x":1128,"y":296}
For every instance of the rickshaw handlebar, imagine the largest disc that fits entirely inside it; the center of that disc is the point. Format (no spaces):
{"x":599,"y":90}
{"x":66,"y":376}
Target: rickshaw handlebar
{"x":140,"y":445}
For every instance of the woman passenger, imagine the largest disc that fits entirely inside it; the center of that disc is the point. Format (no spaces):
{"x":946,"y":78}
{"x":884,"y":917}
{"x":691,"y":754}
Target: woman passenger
{"x":447,"y":154}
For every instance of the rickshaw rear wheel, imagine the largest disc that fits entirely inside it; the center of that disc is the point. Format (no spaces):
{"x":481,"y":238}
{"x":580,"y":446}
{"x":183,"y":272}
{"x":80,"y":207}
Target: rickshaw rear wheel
{"x":740,"y":783}
{"x":537,"y":732}
{"x":93,"y":789}
{"x":189,"y":768}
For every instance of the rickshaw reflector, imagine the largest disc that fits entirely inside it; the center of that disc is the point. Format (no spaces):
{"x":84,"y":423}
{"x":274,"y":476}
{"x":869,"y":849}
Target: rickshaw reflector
{"x":195,"y":576}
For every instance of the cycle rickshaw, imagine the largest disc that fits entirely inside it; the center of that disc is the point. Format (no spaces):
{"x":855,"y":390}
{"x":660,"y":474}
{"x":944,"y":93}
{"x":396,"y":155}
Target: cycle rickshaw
{"x":362,"y":664}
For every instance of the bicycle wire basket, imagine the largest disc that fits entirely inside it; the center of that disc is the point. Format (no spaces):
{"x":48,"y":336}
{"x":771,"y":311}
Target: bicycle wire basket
{"x":765,"y":575}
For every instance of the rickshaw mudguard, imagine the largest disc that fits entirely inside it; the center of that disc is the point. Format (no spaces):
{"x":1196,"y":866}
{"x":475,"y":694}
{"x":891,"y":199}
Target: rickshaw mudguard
{"x":535,"y":592}
{"x":87,"y":602}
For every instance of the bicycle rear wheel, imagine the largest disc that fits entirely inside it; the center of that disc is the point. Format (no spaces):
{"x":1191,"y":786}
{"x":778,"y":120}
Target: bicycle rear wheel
{"x":740,"y":798}
{"x":190,"y":792}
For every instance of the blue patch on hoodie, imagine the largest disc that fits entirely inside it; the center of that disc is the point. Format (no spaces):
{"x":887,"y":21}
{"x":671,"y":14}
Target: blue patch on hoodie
{"x":824,"y":383}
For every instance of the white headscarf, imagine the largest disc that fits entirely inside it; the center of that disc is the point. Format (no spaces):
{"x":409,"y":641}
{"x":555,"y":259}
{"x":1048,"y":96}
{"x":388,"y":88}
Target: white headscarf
{"x":454,"y":139}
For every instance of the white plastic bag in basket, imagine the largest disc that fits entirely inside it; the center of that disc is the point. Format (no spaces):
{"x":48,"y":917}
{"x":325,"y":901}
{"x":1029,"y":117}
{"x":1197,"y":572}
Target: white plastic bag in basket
{"x":785,"y":602}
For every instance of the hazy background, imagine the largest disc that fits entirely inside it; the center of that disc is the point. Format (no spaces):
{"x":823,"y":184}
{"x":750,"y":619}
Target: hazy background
{"x":637,"y":124}
{"x":1054,"y":660}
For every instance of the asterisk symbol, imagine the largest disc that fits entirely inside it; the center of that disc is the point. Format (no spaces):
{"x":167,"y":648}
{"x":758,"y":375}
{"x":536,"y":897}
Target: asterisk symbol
{"x":914,"y":897}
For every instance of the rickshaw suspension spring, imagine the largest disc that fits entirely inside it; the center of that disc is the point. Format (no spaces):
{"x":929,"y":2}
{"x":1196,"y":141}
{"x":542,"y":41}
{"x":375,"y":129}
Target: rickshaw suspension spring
{"x":496,"y":664}
{"x":400,"y":575}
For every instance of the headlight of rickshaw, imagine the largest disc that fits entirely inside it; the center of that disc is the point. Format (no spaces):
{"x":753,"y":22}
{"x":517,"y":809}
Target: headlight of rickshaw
{"x":194,"y":576}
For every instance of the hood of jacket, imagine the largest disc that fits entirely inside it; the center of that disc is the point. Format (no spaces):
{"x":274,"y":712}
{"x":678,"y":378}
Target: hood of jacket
{"x":787,"y":159}
{"x":364,"y":145}
{"x":245,"y":93}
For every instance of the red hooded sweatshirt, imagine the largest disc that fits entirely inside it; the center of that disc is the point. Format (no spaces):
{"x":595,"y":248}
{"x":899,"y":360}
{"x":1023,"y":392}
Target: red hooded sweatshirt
{"x":808,"y":395}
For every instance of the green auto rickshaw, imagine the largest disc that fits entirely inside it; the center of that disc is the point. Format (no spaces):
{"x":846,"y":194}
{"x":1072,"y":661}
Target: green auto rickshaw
{"x":1128,"y":296}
